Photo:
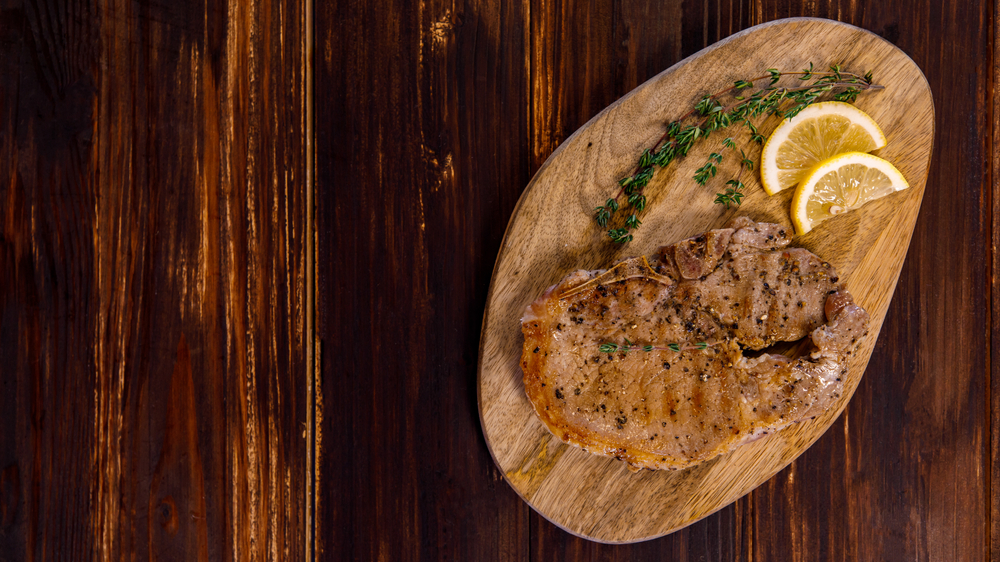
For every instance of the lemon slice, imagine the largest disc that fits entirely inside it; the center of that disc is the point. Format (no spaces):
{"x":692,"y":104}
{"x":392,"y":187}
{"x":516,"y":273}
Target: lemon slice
{"x":818,"y":132}
{"x":840,"y":184}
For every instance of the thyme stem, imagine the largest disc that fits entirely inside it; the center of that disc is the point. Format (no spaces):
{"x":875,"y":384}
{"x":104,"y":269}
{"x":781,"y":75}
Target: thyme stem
{"x":609,"y":347}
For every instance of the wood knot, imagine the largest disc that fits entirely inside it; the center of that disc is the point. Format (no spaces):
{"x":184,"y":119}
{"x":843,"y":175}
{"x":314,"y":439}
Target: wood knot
{"x":167,"y":514}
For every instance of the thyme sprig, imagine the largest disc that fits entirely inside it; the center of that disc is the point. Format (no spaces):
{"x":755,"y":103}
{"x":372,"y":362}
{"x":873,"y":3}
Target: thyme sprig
{"x":609,"y":347}
{"x":733,"y":195}
{"x":710,"y":115}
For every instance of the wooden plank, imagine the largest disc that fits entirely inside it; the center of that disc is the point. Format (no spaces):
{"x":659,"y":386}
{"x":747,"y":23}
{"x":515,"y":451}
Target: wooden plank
{"x":901,"y":475}
{"x":420,"y":126}
{"x":722,"y":536}
{"x":993,"y":391}
{"x":151,"y":296}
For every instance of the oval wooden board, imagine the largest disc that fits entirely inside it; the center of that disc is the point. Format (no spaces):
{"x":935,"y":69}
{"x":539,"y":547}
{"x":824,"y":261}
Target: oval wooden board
{"x":552,"y":233}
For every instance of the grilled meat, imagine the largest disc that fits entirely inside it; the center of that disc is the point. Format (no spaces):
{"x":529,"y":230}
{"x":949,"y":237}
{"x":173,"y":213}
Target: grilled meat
{"x":645,"y":361}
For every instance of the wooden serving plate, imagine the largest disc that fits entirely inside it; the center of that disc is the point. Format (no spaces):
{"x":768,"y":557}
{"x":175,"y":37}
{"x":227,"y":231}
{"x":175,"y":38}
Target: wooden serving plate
{"x":552,"y":233}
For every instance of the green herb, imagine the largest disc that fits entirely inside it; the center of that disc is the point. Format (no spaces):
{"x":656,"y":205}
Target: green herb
{"x":710,"y":115}
{"x":608,"y":347}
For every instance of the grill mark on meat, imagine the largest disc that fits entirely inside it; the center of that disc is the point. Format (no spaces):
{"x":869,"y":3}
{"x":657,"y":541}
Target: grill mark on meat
{"x":738,"y":288}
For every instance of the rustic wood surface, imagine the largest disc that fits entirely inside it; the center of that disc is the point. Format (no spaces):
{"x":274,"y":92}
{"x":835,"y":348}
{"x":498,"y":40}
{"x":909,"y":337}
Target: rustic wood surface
{"x":154,"y":303}
{"x":151,"y":350}
{"x":553,"y":233}
{"x":441,"y":112}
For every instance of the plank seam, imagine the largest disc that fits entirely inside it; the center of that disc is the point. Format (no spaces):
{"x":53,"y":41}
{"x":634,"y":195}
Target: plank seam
{"x":310,"y":285}
{"x":991,"y":186}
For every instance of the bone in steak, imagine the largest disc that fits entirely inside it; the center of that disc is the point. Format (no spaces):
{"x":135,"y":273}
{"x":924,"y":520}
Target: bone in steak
{"x":699,"y":304}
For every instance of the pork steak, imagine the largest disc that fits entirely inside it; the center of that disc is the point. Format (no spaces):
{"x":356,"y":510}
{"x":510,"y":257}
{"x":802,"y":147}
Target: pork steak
{"x":644,"y":362}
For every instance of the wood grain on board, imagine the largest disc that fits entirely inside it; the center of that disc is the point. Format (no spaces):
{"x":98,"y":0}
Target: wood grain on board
{"x":152,"y":399}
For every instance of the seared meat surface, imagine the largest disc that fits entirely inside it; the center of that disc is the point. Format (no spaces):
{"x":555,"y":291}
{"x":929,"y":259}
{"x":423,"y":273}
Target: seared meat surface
{"x":644,"y":362}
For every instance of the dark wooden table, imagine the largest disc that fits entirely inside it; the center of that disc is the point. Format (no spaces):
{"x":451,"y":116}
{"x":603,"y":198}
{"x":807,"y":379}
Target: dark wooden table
{"x":246,"y":247}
